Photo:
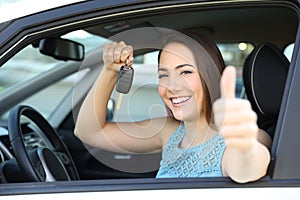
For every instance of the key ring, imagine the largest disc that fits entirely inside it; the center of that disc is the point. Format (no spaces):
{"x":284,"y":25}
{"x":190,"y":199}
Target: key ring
{"x":126,"y":64}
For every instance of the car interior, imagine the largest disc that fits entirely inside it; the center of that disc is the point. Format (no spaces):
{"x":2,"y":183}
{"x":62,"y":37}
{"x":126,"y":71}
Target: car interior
{"x":265,"y":92}
{"x":47,"y":99}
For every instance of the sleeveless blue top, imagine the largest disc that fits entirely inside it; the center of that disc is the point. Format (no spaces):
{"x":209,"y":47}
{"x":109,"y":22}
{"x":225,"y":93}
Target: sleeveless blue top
{"x":204,"y":160}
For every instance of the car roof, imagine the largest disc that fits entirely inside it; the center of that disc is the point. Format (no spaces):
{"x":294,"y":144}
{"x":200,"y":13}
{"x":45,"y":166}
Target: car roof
{"x":23,"y":8}
{"x":222,"y":24}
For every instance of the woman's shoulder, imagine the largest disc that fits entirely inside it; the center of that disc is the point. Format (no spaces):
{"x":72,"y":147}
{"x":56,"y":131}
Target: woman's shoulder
{"x":161,"y":128}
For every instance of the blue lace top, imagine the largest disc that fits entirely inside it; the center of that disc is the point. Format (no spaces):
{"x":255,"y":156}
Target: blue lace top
{"x":203,"y":160}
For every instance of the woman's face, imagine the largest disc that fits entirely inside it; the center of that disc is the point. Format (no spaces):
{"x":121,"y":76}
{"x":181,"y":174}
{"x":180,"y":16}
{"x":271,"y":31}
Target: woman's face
{"x":179,"y":82}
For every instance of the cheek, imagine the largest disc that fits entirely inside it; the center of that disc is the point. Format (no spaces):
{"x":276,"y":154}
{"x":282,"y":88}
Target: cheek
{"x":161,"y":90}
{"x":195,"y":85}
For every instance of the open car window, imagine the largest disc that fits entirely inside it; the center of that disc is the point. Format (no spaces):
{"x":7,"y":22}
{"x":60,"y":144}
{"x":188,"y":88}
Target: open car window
{"x":56,"y":87}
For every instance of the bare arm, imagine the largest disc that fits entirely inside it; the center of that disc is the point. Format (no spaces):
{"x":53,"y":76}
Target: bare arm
{"x":248,"y":166}
{"x":91,"y":125}
{"x":246,"y":157}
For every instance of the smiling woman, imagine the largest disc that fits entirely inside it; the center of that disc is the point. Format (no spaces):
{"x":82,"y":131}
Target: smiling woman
{"x":189,"y":79}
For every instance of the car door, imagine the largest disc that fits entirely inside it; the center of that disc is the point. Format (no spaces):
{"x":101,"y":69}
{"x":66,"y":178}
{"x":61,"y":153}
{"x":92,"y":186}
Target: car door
{"x":282,"y":180}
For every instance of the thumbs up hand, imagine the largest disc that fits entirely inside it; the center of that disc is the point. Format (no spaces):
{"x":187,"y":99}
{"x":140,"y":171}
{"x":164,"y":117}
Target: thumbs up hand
{"x":234,"y":117}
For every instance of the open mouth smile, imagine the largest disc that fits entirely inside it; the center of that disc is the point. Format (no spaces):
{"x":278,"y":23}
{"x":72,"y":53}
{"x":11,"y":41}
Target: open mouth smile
{"x":178,"y":101}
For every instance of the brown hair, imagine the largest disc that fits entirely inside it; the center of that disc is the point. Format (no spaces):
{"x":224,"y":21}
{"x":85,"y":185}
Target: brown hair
{"x":209,"y":62}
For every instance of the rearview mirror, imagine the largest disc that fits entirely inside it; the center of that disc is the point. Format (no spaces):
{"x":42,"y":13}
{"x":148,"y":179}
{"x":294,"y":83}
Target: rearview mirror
{"x":62,"y":49}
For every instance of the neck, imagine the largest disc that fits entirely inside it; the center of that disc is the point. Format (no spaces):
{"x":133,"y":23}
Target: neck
{"x":197,"y":132}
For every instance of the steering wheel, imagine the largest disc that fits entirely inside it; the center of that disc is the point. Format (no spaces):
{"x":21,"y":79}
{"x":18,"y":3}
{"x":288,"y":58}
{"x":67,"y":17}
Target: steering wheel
{"x":41,"y":163}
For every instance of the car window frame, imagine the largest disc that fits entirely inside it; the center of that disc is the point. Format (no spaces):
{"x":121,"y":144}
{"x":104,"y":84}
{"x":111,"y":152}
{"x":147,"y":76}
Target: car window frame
{"x":286,"y":138}
{"x":27,"y":35}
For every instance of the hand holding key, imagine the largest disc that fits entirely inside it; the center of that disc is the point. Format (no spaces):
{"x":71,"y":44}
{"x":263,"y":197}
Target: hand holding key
{"x":115,"y":55}
{"x":234,"y":117}
{"x":119,"y":57}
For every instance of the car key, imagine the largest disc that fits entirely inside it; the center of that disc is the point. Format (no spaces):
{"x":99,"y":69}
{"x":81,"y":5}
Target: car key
{"x":125,"y":79}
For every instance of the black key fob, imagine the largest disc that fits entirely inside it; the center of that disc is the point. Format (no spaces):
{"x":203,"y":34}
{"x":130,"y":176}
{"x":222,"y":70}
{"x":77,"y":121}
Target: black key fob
{"x":125,"y":79}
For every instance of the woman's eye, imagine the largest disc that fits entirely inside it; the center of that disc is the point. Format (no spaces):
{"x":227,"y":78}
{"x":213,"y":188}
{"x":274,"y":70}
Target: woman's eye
{"x":162,"y":76}
{"x":186,"y":72}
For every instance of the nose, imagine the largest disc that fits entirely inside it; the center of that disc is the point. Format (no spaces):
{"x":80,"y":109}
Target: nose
{"x":174,"y":84}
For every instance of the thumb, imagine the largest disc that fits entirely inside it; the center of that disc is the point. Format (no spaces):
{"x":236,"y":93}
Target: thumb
{"x":228,"y":80}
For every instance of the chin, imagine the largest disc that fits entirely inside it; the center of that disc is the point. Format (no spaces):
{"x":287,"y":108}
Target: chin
{"x":185,"y":117}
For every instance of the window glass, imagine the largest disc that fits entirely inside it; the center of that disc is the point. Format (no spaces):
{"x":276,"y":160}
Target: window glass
{"x":29,"y":63}
{"x":24,"y":65}
{"x":235,"y":54}
{"x":288,"y":51}
{"x":46,"y":100}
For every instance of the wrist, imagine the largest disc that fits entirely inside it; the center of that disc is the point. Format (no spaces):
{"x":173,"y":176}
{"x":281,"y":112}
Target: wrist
{"x":111,"y":73}
{"x":250,"y":165}
{"x":256,"y":151}
{"x":107,"y":77}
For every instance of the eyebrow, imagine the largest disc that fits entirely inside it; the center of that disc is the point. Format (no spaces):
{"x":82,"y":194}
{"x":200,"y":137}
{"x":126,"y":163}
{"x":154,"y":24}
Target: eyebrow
{"x":177,"y":67}
{"x":184,"y":65}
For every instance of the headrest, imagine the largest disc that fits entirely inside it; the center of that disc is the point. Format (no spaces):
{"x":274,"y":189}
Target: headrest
{"x":264,"y":74}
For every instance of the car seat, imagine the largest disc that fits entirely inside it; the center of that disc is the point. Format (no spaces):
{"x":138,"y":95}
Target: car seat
{"x":264,"y":74}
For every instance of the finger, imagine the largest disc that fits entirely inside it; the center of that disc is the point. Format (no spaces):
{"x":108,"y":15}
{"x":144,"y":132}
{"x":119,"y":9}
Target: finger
{"x":105,"y":53}
{"x":130,"y":61}
{"x":110,"y":52}
{"x":127,"y":53}
{"x":228,"y":80}
{"x":118,"y":52}
{"x":249,"y":130}
{"x":235,"y":118}
{"x":226,"y":105}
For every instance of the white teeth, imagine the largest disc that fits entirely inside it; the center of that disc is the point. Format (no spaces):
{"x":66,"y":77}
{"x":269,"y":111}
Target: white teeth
{"x":179,"y":99}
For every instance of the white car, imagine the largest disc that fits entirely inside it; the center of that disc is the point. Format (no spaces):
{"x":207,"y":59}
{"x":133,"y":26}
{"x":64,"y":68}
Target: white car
{"x":49,"y":58}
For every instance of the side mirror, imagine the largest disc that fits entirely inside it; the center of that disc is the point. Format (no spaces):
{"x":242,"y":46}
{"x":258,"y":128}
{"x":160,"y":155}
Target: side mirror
{"x":62,"y":49}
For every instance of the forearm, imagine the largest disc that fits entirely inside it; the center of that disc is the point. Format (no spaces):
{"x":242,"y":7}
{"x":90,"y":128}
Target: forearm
{"x":249,"y":166}
{"x":100,"y":94}
{"x":92,"y":114}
